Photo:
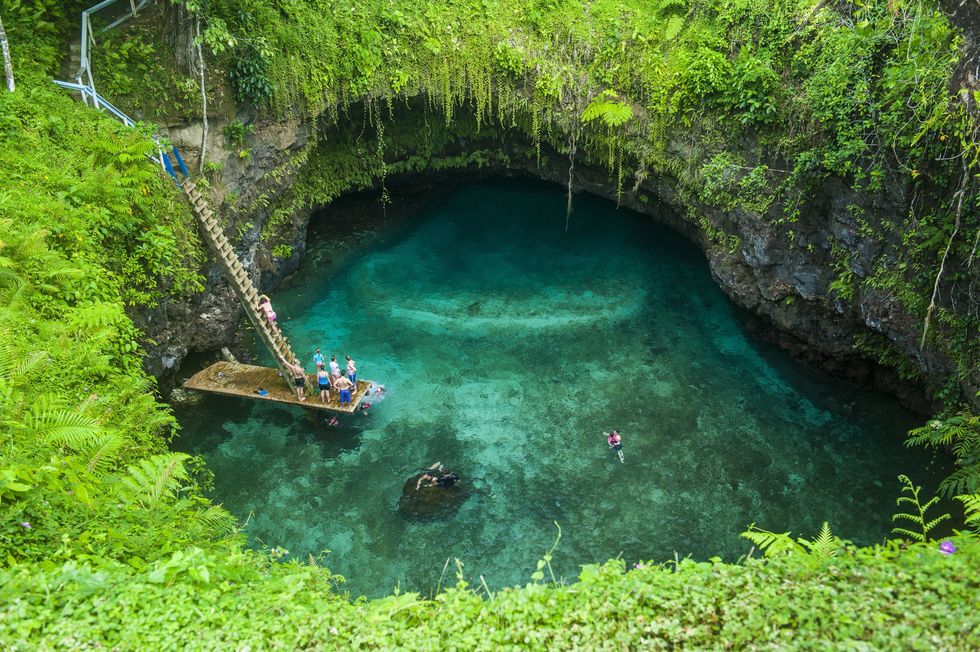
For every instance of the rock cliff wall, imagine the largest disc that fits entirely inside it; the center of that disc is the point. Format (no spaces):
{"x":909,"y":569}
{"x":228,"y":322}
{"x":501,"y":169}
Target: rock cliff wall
{"x":784,"y":282}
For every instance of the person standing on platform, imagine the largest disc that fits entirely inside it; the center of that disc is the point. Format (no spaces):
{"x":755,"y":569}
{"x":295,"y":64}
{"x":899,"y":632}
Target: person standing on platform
{"x":334,"y":367}
{"x":318,"y":359}
{"x":323,"y":383}
{"x":343,"y":385}
{"x":299,"y":378}
{"x":352,"y":371}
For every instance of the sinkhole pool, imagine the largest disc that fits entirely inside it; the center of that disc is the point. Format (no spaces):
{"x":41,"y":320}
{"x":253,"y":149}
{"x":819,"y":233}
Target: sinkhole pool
{"x":507,"y":346}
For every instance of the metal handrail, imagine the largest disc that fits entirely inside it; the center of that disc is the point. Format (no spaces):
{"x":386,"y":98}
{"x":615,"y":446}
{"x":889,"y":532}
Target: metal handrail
{"x":87,"y":35}
{"x":102,"y":103}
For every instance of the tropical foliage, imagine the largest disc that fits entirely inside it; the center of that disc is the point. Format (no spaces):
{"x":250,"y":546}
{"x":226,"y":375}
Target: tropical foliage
{"x":105,"y":537}
{"x":749,"y":105}
{"x":878,"y":598}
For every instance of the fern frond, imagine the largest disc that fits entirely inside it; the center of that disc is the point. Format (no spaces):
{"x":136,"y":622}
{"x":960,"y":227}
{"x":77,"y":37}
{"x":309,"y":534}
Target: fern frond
{"x":824,"y":544}
{"x":962,"y":480}
{"x":919,"y":517}
{"x":928,"y":527}
{"x":971,"y":506}
{"x":770,"y":543}
{"x":152,"y":479}
{"x":612,"y":113}
{"x":65,"y":428}
{"x":915,"y":536}
{"x":103,"y":452}
{"x":674,"y":26}
{"x":216,"y":520}
{"x":13,"y":365}
{"x":932,"y":501}
{"x":968,"y":445}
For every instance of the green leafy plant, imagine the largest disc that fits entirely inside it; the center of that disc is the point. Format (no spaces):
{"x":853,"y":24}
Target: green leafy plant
{"x":153,"y":479}
{"x":959,"y":433}
{"x":918,"y":516}
{"x":249,"y":74}
{"x":606,"y":107}
{"x":236,"y":132}
{"x":775,"y":544}
{"x":282,"y":251}
{"x":971,"y":506}
{"x":545,"y":561}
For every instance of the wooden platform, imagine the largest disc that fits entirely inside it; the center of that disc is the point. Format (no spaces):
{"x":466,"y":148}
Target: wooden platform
{"x":244,"y":380}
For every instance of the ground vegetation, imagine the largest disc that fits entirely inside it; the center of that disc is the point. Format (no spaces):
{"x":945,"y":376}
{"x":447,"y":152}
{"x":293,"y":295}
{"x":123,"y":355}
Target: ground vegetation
{"x":106,"y":538}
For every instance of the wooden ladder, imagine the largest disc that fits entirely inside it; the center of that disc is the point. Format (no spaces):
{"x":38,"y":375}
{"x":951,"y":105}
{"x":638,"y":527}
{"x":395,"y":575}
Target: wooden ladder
{"x":269,"y":332}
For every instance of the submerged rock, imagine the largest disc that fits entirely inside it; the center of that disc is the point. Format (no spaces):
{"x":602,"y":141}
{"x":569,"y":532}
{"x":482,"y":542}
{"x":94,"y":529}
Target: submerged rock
{"x":181,"y":396}
{"x":431,"y":501}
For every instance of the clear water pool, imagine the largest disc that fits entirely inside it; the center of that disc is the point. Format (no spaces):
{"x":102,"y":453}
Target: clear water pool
{"x":507,"y":347}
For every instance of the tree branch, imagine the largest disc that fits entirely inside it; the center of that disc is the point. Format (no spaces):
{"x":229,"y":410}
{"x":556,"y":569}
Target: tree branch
{"x":8,"y":67}
{"x":204,"y":96}
{"x":949,"y":245}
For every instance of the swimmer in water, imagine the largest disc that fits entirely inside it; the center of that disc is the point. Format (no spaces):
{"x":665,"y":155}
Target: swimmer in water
{"x":333,"y":422}
{"x":437,"y":475}
{"x":615,"y":442}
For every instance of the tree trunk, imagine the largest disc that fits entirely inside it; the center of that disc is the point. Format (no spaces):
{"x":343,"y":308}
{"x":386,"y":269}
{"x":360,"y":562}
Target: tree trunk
{"x":179,"y":33}
{"x":204,"y":98}
{"x":8,"y":67}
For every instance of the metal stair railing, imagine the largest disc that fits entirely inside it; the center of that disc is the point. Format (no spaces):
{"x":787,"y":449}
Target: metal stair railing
{"x":87,"y":40}
{"x":101,"y":103}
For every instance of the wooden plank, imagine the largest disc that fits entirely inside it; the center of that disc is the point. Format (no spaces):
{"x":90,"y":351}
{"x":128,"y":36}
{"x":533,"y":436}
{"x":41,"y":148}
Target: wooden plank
{"x":244,"y":381}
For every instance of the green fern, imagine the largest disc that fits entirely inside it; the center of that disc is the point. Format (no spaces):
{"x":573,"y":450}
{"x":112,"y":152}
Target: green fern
{"x":771,"y":544}
{"x":216,"y":520}
{"x":151,"y":480}
{"x":961,"y":433}
{"x":103,"y":451}
{"x":917,"y":517}
{"x":14,"y":366}
{"x":971,"y":505}
{"x":826,"y":544}
{"x":604,"y":106}
{"x":63,"y":427}
{"x":674,"y":26}
{"x":939,"y":432}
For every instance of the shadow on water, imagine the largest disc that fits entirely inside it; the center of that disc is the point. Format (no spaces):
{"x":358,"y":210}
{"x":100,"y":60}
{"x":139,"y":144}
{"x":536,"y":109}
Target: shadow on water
{"x":508,"y":346}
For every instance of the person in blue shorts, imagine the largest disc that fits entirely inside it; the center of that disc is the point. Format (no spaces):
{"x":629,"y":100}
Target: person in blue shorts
{"x":352,"y":371}
{"x":343,"y":385}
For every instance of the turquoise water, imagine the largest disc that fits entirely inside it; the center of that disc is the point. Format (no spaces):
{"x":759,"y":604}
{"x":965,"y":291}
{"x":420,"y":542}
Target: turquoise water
{"x":507,"y":346}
